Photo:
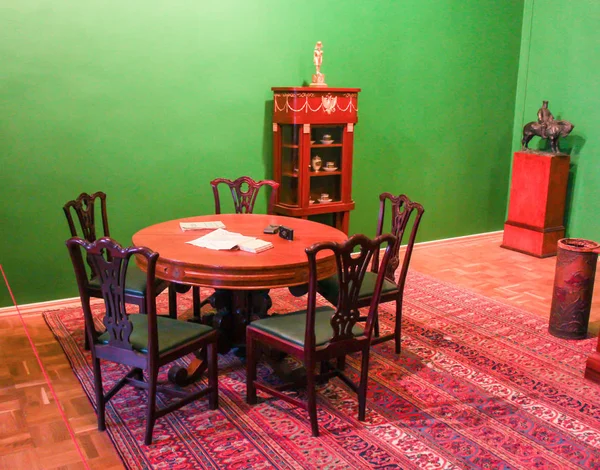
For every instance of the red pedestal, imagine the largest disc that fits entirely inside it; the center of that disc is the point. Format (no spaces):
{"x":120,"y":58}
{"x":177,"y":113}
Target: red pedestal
{"x":592,"y":366}
{"x":537,"y":203}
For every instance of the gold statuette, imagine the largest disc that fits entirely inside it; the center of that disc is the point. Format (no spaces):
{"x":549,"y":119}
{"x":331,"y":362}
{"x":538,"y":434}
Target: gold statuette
{"x":318,"y":79}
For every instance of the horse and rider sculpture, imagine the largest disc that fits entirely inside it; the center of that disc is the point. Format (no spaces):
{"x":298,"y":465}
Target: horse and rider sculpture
{"x":546,"y":127}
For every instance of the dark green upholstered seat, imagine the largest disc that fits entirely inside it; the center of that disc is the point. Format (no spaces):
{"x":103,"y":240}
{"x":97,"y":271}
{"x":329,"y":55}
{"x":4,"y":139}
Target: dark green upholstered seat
{"x":329,"y":287}
{"x":292,"y":326}
{"x":171,"y":333}
{"x":135,"y":283}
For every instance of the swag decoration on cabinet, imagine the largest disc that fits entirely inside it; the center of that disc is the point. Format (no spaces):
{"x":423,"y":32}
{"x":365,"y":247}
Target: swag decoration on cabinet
{"x":313,"y":143}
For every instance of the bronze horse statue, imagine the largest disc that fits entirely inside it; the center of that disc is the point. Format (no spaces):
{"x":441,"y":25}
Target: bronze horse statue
{"x":546,"y":127}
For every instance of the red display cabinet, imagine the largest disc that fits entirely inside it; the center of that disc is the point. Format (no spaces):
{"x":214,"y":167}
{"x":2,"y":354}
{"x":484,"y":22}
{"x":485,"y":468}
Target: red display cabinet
{"x":313,"y":143}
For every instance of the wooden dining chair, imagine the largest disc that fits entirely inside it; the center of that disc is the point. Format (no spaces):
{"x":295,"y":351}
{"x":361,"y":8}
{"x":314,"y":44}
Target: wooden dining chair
{"x":318,"y":335}
{"x":143,"y":343}
{"x":401,"y":222}
{"x":84,"y":208}
{"x":244,"y":192}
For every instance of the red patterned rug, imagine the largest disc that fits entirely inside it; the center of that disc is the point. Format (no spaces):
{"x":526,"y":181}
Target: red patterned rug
{"x":479,"y":384}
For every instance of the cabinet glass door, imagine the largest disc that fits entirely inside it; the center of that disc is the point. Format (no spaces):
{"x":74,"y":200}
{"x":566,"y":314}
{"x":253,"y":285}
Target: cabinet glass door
{"x":326,"y":164}
{"x":290,"y":155}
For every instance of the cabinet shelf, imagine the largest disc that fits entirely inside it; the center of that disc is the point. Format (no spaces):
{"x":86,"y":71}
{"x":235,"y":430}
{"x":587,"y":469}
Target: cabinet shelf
{"x":323,"y":146}
{"x":325,"y":173}
{"x":290,"y":146}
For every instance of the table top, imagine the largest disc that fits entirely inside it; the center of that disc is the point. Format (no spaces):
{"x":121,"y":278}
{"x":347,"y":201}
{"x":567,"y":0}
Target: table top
{"x":284,"y":265}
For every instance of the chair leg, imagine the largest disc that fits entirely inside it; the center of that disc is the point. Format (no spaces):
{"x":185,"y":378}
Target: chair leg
{"x":311,"y":393}
{"x":151,"y":412}
{"x":250,"y":370}
{"x":376,"y":324}
{"x":86,"y":342}
{"x":196,"y":302}
{"x":341,"y":363}
{"x":99,"y":395}
{"x":213,"y":376}
{"x":398,"y":326}
{"x":172,"y":301}
{"x":362,"y":388}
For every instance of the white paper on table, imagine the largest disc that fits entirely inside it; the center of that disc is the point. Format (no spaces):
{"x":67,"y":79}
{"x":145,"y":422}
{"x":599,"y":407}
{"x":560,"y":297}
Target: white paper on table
{"x":185,"y":226}
{"x":220,"y":240}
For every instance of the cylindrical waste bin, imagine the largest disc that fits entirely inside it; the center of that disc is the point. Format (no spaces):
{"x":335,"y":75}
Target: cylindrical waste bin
{"x":573,"y":288}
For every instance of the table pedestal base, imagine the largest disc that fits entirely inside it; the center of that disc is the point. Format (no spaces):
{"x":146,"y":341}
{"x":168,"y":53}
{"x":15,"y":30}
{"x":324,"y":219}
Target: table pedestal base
{"x":234,"y":310}
{"x":183,"y":376}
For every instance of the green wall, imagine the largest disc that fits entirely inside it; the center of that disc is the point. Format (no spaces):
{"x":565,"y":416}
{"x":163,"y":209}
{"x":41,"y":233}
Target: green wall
{"x":560,"y":62}
{"x":149,"y":100}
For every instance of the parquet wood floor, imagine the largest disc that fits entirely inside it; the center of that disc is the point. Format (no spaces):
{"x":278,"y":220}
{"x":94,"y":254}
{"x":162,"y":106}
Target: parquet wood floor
{"x":32,"y":432}
{"x":479,"y":264}
{"x":33,"y":435}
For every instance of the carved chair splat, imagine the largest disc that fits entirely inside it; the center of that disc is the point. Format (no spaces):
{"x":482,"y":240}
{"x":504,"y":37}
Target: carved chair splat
{"x":84,"y":208}
{"x":244,"y":192}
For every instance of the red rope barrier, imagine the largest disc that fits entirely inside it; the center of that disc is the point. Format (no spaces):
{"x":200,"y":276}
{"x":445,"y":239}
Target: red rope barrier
{"x":39,"y":360}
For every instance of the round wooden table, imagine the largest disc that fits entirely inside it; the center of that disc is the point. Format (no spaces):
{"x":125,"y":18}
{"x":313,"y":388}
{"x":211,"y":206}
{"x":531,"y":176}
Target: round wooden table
{"x":242,"y":279}
{"x":284,"y":265}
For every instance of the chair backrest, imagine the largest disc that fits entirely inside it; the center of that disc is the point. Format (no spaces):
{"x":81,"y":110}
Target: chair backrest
{"x":111,"y":261}
{"x":401,"y":209}
{"x":84,"y":207}
{"x":351,"y":269}
{"x":244,"y":191}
